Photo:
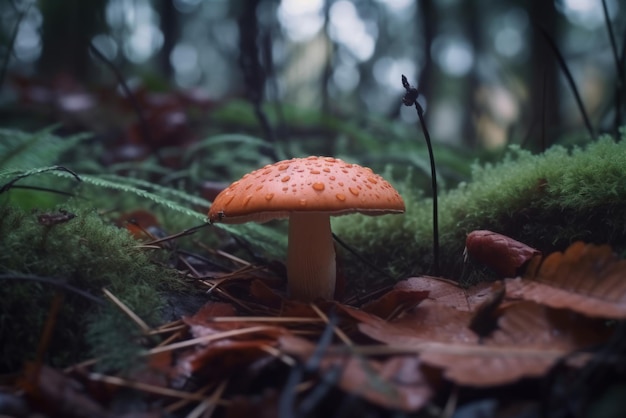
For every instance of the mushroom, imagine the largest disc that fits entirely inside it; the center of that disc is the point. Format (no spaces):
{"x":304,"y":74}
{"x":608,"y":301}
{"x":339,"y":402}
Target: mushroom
{"x":308,"y":191}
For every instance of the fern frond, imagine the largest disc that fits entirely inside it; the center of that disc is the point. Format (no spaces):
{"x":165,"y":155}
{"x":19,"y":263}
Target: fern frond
{"x":165,"y":197}
{"x":23,"y":150}
{"x":123,"y":185}
{"x":162,"y":190}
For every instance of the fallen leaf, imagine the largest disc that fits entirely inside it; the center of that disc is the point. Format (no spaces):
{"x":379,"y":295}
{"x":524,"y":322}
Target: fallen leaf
{"x":395,"y":301}
{"x":430,"y":321}
{"x":500,"y":253}
{"x":484,"y":320}
{"x":57,"y":394}
{"x":586,"y":278}
{"x":224,"y":357}
{"x":228,"y":353}
{"x":201,"y":323}
{"x":529,"y":340}
{"x":441,"y":290}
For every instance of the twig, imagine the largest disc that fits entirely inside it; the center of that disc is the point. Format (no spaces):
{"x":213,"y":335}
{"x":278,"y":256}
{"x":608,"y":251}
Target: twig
{"x":271,"y":319}
{"x":208,"y":338}
{"x":207,"y":406}
{"x":338,"y":332}
{"x":278,"y":354}
{"x":410,"y":99}
{"x":183,"y":233}
{"x":54,"y":282}
{"x":184,"y":402}
{"x":286,"y":401}
{"x":144,"y":387}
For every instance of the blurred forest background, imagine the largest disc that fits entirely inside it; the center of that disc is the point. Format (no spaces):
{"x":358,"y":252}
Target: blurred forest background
{"x":279,"y":69}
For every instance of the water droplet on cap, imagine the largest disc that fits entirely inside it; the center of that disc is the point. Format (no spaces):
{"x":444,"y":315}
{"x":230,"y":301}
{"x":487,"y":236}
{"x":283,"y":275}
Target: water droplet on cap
{"x":318,"y":186}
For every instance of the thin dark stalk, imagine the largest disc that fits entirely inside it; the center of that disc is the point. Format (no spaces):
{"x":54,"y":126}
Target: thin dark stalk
{"x":410,"y":99}
{"x":5,"y":63}
{"x":60,"y":284}
{"x":44,"y":189}
{"x":287,"y":400}
{"x":7,"y":186}
{"x":254,"y":72}
{"x":361,"y":258}
{"x":143,"y":123}
{"x":619,"y":69}
{"x":543,"y":113}
{"x":569,"y":77}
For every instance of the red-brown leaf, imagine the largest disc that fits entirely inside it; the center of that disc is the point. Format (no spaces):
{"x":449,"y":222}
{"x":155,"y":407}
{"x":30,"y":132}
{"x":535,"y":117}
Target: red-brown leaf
{"x":502,"y":254}
{"x":586,"y":278}
{"x":529,"y":340}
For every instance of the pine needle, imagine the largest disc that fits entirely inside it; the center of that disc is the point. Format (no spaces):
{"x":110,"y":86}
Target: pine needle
{"x":124,"y":308}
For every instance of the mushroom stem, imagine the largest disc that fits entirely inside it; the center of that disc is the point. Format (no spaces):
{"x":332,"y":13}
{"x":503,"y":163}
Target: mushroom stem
{"x":310,"y":257}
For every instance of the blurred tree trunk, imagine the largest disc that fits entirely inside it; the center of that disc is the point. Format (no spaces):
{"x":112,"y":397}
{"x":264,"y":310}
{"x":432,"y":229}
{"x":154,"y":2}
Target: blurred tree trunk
{"x":171,"y":33}
{"x":544,"y":91}
{"x":68,"y":27}
{"x":472,"y":26}
{"x":426,"y":14}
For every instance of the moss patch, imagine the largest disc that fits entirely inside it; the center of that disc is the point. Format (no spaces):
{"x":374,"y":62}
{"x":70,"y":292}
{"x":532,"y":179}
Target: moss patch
{"x":85,"y":252}
{"x":546,"y":201}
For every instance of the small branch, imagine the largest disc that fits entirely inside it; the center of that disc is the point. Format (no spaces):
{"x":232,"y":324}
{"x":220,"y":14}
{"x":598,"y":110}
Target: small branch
{"x":54,"y":282}
{"x":410,"y":99}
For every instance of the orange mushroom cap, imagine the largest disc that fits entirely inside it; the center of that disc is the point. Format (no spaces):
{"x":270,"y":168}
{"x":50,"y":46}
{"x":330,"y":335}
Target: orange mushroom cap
{"x":313,"y":184}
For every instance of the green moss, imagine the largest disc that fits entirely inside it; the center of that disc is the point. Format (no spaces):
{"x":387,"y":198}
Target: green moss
{"x":546,"y":201}
{"x":84,"y":252}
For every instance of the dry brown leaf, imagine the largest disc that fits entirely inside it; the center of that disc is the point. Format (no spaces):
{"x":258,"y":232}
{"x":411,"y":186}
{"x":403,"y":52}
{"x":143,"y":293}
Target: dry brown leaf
{"x":586,"y":278}
{"x":223,"y":353}
{"x":57,"y":394}
{"x":430,"y":321}
{"x":529,"y":340}
{"x":396,"y":383}
{"x":484,"y":319}
{"x":442,"y":290}
{"x":395,"y":301}
{"x":502,"y":254}
{"x":223,"y":357}
{"x":201,"y":324}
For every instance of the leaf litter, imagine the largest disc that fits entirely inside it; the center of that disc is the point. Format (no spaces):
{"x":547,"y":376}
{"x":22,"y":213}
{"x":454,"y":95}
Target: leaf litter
{"x":249,"y":345}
